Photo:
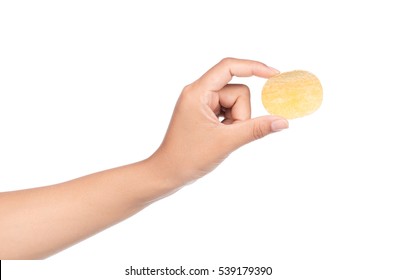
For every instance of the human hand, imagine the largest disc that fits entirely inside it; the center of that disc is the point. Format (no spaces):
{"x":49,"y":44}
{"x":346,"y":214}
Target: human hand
{"x":197,"y":140}
{"x":195,"y":143}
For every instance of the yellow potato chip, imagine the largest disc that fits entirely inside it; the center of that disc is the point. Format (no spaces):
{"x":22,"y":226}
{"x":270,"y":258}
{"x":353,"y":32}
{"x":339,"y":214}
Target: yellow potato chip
{"x":292,"y":94}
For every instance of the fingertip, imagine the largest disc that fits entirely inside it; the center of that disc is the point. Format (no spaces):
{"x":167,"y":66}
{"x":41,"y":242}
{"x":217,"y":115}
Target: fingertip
{"x":265,"y":71}
{"x":279,"y":124}
{"x":274,"y":70}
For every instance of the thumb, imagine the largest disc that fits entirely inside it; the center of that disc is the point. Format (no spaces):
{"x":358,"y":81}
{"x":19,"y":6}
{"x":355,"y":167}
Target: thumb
{"x":243,"y":132}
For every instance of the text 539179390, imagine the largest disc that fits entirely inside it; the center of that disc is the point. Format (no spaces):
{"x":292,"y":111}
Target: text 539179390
{"x":181,"y":271}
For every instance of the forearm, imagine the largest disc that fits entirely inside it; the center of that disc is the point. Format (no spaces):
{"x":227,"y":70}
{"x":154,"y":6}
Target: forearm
{"x":37,"y":223}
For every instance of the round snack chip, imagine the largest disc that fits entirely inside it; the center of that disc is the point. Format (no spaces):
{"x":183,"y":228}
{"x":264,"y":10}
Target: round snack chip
{"x":292,"y":94}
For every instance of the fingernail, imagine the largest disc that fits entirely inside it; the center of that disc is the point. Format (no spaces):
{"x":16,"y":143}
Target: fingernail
{"x":279,"y":125}
{"x":274,"y":70}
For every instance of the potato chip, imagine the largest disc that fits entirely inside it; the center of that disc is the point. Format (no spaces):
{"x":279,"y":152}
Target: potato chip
{"x":292,"y":94}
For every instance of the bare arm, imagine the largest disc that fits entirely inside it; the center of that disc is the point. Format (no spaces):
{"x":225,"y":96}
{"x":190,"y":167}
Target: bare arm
{"x":36,"y":223}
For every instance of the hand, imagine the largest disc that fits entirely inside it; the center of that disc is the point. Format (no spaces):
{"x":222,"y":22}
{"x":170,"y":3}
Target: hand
{"x":196,"y":140}
{"x":195,"y":143}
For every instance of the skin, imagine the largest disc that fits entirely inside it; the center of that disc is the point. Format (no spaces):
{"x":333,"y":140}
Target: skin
{"x":37,"y":223}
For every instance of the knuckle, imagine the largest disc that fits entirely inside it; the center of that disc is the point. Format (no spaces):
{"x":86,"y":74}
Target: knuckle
{"x":227,"y":60}
{"x":187,"y":89}
{"x":246,"y":90}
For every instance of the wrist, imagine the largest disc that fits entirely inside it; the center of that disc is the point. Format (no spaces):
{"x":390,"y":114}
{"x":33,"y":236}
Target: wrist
{"x":159,"y":179}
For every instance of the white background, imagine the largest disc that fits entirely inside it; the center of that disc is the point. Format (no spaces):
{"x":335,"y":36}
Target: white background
{"x":90,"y":85}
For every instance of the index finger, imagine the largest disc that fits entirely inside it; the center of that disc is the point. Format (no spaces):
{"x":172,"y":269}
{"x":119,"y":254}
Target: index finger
{"x":221,"y":74}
